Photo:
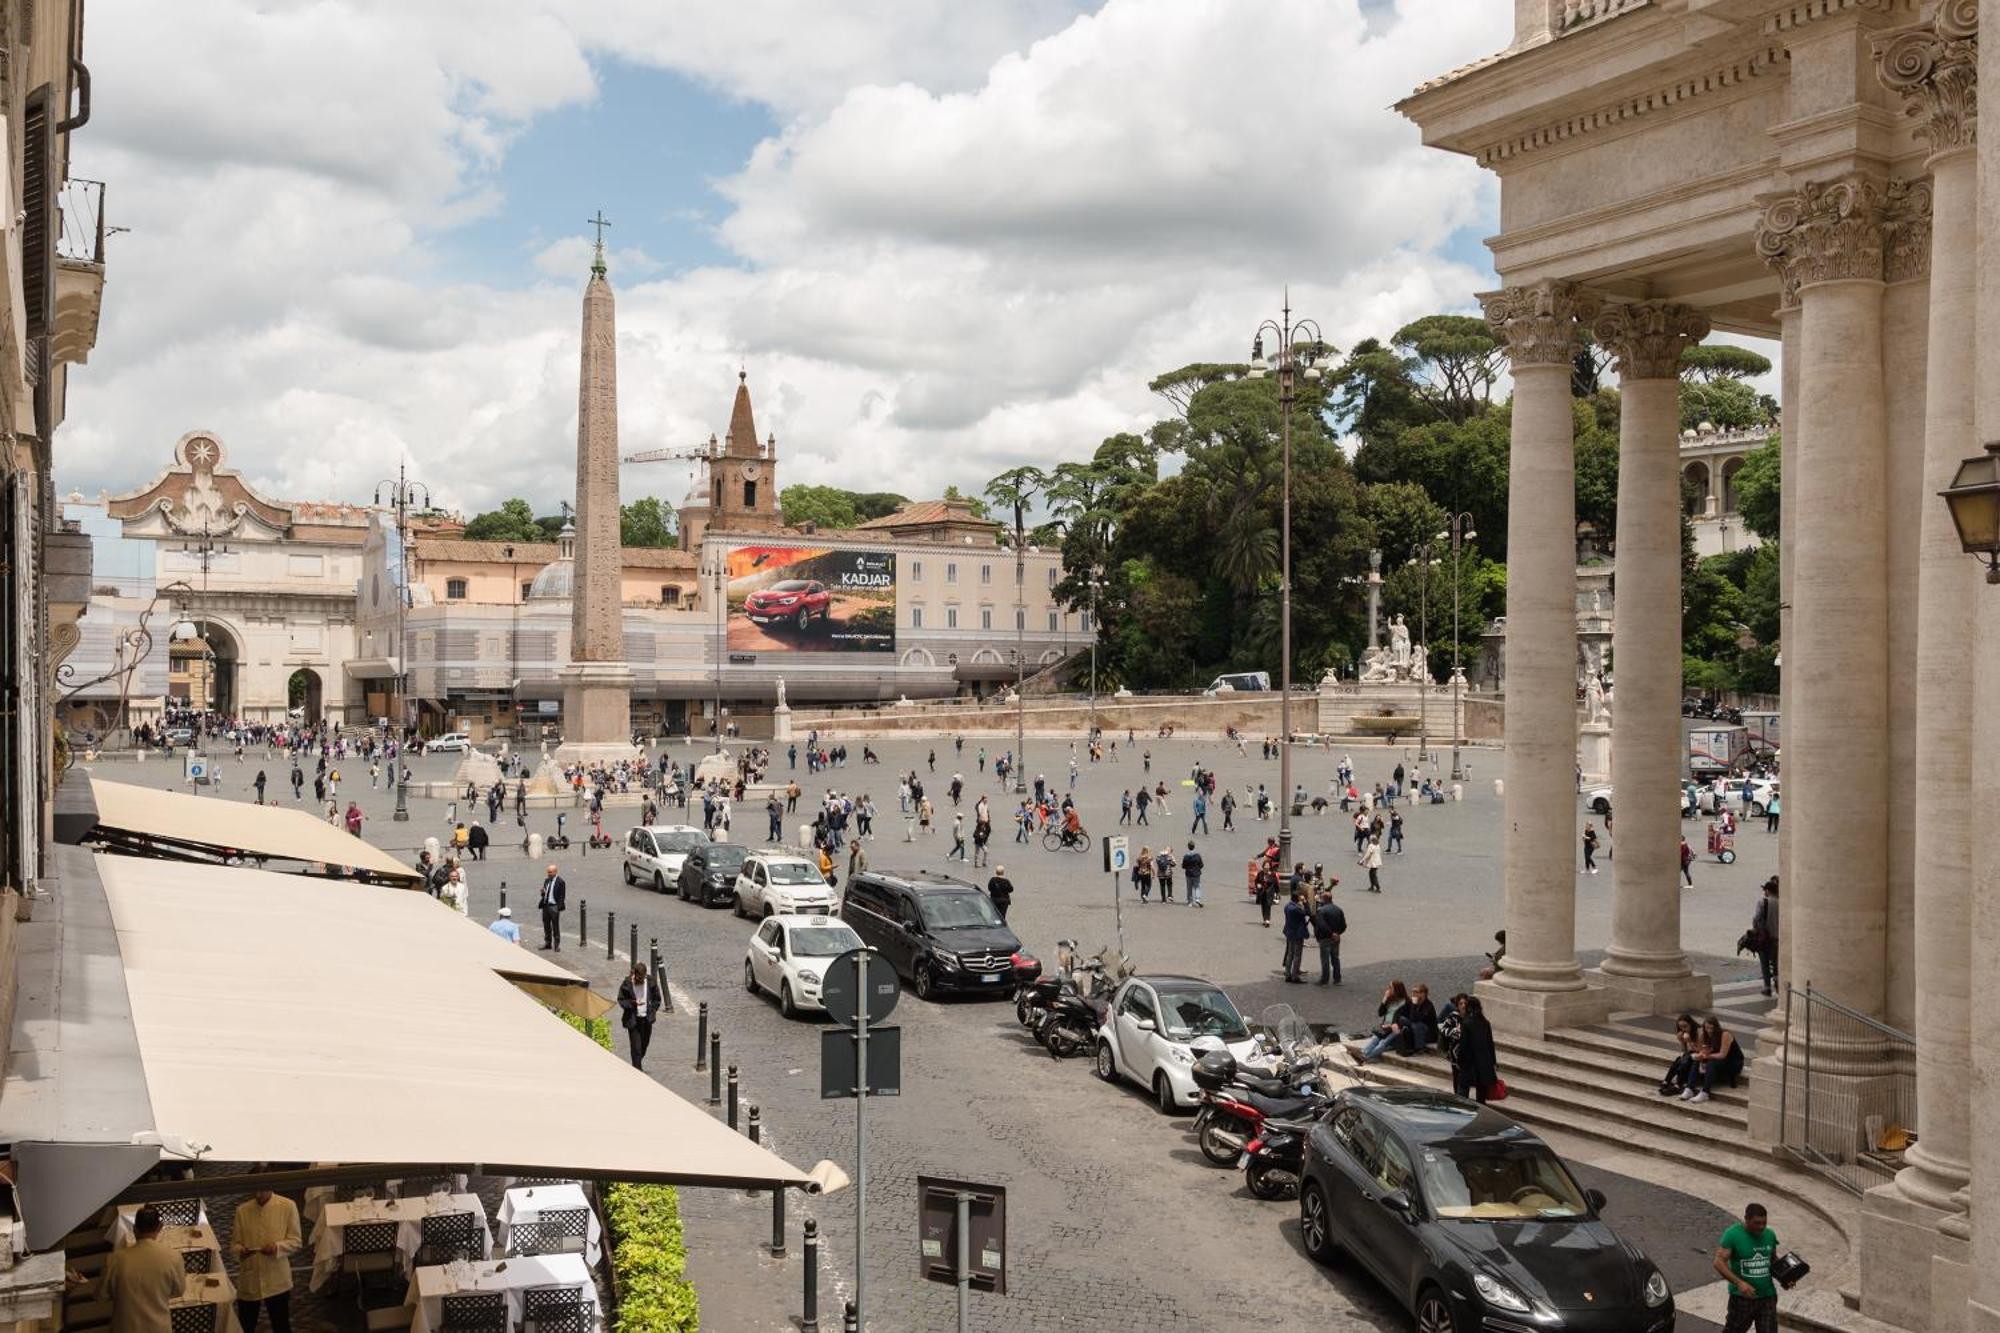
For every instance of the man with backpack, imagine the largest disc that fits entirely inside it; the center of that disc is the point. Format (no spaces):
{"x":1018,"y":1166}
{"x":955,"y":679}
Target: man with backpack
{"x":1329,"y":924}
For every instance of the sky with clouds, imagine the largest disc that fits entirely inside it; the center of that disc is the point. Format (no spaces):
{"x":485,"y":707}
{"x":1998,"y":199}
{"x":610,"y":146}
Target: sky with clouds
{"x":944,"y":237}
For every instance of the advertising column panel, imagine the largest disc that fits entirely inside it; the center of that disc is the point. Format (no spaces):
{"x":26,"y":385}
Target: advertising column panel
{"x":811,"y":599}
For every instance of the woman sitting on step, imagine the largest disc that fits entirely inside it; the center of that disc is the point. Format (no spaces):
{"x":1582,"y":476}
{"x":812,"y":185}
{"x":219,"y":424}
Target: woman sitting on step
{"x":1680,"y":1074}
{"x":1718,"y":1057}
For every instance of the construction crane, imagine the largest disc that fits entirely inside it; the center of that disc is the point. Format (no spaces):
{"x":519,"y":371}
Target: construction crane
{"x":701,"y":453}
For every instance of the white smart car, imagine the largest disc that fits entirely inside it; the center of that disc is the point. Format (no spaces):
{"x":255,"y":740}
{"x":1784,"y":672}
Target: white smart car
{"x":1159,"y":1026}
{"x":788,"y":955}
{"x":774,"y":881}
{"x":654,"y":853}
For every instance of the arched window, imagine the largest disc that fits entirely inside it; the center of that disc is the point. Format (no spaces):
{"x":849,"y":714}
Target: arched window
{"x":1694,"y":489}
{"x":749,"y":495}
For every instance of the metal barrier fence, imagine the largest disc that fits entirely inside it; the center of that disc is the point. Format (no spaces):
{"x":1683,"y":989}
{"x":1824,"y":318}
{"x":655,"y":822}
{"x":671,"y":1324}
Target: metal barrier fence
{"x":1848,"y":1100}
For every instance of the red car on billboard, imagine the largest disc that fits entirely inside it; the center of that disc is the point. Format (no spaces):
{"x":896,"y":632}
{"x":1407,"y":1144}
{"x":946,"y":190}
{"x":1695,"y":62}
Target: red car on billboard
{"x":798,"y":602}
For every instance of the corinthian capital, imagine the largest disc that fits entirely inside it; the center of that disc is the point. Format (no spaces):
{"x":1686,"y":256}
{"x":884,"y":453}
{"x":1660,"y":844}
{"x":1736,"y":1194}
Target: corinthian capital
{"x":1648,"y":339}
{"x":1823,"y":232}
{"x":1906,"y":230}
{"x":1934,"y":67}
{"x":1539,"y":321}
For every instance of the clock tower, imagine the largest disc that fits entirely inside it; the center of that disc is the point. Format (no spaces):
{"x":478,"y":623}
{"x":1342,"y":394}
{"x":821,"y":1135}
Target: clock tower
{"x":743,"y":475}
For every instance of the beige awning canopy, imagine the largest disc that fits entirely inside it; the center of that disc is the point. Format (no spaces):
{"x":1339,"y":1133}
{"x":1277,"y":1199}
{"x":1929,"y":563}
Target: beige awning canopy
{"x":179,"y":826}
{"x":285,"y":1019}
{"x":279,"y":1018}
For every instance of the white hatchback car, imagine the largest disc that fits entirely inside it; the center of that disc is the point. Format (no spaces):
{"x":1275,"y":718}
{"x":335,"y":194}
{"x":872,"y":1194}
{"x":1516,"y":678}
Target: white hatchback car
{"x":452,"y":742}
{"x":654,"y":853}
{"x":774,"y":881}
{"x":789,"y":954}
{"x":1159,"y":1026}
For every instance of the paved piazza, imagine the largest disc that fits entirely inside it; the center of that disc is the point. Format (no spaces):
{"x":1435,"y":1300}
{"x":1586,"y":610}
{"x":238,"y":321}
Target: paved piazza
{"x":1115,"y":1220}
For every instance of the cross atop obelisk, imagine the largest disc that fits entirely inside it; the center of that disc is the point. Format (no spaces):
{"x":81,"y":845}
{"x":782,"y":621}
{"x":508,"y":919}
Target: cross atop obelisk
{"x":597,"y":260}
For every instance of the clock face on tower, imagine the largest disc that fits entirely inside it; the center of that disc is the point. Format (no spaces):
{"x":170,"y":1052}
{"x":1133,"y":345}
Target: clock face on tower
{"x":751,"y":471}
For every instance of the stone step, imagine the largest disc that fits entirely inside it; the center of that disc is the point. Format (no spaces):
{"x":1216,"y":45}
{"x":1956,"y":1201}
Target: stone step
{"x":1611,"y":1077}
{"x":1684,"y":1144}
{"x":1621,"y":1045}
{"x":1624,"y":1070}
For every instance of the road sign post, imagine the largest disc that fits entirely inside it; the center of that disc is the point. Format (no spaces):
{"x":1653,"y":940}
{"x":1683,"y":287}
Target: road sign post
{"x":968,"y":1223}
{"x":852,"y":994}
{"x":1117,"y":859}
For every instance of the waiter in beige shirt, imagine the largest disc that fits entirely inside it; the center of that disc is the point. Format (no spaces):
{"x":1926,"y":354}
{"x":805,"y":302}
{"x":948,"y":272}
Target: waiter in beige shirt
{"x":141,"y":1280}
{"x":264,"y":1236}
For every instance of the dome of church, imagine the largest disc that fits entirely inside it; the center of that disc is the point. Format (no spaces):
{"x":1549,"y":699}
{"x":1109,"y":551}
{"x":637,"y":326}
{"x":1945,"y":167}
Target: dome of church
{"x":555,"y":583}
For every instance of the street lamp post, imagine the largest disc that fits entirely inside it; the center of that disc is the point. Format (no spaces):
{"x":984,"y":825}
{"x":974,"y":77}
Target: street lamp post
{"x":1096,"y":585}
{"x":400,"y":492}
{"x":1300,"y":347}
{"x":135,"y":645}
{"x":1421,"y":560}
{"x":1020,"y":650}
{"x":721,"y":638}
{"x":1458,"y":530}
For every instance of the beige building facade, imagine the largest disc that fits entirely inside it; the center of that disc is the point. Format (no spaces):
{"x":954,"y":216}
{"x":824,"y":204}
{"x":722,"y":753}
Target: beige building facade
{"x":1805,"y":171}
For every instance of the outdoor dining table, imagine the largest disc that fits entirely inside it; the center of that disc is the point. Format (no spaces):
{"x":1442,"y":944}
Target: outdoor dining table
{"x":330,"y":1240}
{"x":211,"y":1289}
{"x":430,"y":1285}
{"x":121,"y":1223}
{"x":526,"y":1203}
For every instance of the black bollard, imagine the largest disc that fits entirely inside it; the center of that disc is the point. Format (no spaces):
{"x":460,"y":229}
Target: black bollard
{"x":851,"y":1321}
{"x":778,"y":1223}
{"x":611,"y":934}
{"x":756,"y":1125}
{"x":715,"y":1068}
{"x":632,"y":952}
{"x":732,"y":1096}
{"x":503,"y":893}
{"x":809,"y":1321}
{"x":701,"y":1039}
{"x":582,"y":922}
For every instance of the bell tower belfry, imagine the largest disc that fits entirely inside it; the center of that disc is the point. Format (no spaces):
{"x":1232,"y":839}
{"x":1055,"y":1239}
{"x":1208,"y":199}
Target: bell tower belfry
{"x":743,"y":475}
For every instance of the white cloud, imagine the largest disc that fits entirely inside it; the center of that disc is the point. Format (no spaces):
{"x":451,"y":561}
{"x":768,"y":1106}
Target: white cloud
{"x":982,"y":229}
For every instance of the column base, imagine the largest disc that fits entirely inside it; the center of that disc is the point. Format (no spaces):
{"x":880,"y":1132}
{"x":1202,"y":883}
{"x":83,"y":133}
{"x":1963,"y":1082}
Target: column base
{"x":1594,"y":751}
{"x":1951,"y":1289}
{"x":1653,"y":995}
{"x":1535,"y":1013}
{"x":1898,"y":1247}
{"x":597,"y":712}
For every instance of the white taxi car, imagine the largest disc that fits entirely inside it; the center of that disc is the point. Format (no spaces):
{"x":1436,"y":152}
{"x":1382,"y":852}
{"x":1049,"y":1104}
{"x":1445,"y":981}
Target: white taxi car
{"x":654,"y":853}
{"x":774,"y":881}
{"x":789,"y":954}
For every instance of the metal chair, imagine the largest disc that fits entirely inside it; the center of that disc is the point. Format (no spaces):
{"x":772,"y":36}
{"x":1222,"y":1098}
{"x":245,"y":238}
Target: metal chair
{"x":554,"y":1310}
{"x":530,"y":1238}
{"x":179,"y":1212}
{"x":367,"y":1247}
{"x":475,"y":1312}
{"x":448,"y":1236}
{"x":565,"y":1231}
{"x":196,"y":1261}
{"x":200,"y":1318}
{"x":419,"y":1187}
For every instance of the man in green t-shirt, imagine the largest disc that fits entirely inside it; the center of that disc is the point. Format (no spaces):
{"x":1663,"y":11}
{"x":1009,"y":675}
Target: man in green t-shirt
{"x":1744,"y":1260}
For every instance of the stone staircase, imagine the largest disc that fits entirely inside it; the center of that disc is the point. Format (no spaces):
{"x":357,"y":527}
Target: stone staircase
{"x":1601,"y":1083}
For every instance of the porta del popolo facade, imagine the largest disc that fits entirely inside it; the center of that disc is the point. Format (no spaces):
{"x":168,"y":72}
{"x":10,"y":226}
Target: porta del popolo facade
{"x":1806,"y":172}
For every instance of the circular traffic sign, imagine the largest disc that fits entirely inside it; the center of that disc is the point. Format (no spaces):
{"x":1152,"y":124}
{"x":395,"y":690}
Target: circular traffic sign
{"x":840,"y":988}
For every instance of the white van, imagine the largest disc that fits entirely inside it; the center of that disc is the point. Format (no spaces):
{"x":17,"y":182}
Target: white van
{"x":1240,"y":680}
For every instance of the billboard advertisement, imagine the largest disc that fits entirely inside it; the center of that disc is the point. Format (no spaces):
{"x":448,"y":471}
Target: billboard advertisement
{"x":813,"y":599}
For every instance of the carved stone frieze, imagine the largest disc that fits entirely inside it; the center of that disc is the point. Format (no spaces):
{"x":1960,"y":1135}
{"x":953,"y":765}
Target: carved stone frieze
{"x":1539,"y":321}
{"x":1824,"y":231}
{"x":1906,"y":231}
{"x":1934,"y":67}
{"x":1647,"y":339}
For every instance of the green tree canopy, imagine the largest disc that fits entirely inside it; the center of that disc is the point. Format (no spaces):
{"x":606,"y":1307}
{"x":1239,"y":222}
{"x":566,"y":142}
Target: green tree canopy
{"x":513,"y":521}
{"x":1710,"y":362}
{"x":1758,"y":488}
{"x":1730,"y":404}
{"x":646,"y":522}
{"x":1454,"y":362}
{"x":821,"y":506}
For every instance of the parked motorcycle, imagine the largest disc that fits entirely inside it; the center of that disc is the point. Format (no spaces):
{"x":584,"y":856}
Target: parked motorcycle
{"x":1065,"y":1009}
{"x":1273,"y":1161}
{"x":1238,"y":1097}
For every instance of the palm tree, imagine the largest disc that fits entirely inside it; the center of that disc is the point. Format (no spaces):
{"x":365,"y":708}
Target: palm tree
{"x":1246,"y":550}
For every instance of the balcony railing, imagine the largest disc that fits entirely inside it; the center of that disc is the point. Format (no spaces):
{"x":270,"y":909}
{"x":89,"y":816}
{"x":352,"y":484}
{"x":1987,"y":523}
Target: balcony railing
{"x":82,"y":234}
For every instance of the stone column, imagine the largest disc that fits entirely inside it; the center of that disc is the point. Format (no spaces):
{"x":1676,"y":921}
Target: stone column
{"x":1646,"y":969}
{"x":1540,"y":985}
{"x":1827,"y":239}
{"x":1934,"y":66}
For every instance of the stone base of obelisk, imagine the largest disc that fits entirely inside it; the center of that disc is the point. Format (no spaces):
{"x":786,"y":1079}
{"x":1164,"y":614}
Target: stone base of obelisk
{"x":597,"y":713}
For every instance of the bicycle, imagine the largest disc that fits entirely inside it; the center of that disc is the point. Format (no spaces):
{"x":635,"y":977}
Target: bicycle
{"x":1055,"y":838}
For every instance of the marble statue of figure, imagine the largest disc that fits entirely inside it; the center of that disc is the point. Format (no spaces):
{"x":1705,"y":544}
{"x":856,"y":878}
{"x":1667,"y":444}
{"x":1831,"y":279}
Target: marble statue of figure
{"x":1593,"y":695}
{"x":781,"y":692}
{"x":1597,"y":601}
{"x":1399,"y":643}
{"x":1418,"y":666}
{"x":1375,"y":666}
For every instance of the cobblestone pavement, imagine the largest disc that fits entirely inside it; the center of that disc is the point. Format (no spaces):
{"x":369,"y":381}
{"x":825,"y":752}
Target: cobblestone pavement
{"x":1114,"y":1219}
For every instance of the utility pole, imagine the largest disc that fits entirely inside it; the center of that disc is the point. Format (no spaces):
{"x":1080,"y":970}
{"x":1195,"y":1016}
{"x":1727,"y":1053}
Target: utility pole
{"x":400,"y":492}
{"x":1459,"y":530}
{"x":1020,"y":651}
{"x":1096,"y":585}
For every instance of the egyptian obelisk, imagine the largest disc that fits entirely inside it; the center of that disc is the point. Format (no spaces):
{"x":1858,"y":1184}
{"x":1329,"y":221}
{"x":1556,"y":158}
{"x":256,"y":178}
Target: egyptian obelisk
{"x":597,"y":683}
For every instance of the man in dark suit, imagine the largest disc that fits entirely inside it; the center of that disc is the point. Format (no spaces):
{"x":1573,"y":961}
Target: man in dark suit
{"x":555,"y":893}
{"x":639,"y":997}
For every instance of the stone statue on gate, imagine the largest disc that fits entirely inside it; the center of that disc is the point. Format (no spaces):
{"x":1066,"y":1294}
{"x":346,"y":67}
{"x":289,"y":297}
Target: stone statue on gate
{"x":1419,"y":667}
{"x":781,"y":692}
{"x":1399,"y":645}
{"x":1375,"y":668}
{"x":1593,"y":698}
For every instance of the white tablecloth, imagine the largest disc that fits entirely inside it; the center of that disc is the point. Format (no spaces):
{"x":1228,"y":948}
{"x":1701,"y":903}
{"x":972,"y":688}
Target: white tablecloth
{"x":429,"y":1286}
{"x":527,"y":1203}
{"x":121,"y":1224}
{"x":214,"y":1289}
{"x":330,"y":1236}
